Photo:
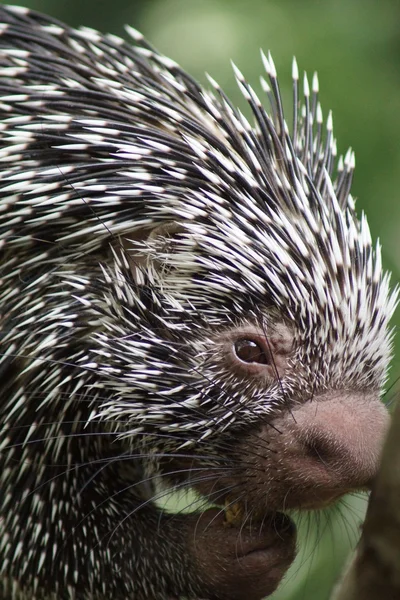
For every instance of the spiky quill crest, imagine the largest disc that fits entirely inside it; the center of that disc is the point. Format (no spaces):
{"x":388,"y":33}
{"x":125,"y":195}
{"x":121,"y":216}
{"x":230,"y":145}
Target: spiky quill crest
{"x":100,"y":140}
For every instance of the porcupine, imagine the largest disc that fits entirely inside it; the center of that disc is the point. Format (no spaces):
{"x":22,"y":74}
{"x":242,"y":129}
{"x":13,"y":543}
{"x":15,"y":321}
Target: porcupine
{"x":185,"y":297}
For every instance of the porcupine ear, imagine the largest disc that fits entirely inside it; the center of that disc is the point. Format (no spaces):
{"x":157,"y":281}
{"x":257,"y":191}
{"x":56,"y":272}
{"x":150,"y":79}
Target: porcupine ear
{"x":153,"y":247}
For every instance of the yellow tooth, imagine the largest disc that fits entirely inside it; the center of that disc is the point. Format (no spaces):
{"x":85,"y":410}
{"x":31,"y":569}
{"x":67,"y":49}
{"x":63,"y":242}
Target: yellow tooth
{"x":233,"y":513}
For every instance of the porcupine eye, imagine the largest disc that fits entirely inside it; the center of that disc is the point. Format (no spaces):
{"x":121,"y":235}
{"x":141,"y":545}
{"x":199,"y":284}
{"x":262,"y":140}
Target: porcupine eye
{"x":249,"y":351}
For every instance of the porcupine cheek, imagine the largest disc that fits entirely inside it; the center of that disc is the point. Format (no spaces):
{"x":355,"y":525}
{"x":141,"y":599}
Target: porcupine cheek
{"x":311,"y":455}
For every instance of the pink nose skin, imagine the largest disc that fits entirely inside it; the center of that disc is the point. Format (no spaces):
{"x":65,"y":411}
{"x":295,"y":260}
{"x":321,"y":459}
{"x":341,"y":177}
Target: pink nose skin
{"x":324,"y":448}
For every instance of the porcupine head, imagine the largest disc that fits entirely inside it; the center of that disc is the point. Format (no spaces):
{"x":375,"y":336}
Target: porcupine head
{"x":192,"y":299}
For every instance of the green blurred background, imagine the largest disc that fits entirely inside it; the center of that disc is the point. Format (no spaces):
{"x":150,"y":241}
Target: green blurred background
{"x":355,"y":47}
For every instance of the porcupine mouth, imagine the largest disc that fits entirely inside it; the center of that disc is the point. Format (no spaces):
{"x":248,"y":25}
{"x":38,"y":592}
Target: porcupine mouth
{"x":279,"y":524}
{"x":261,"y":533}
{"x":261,"y":509}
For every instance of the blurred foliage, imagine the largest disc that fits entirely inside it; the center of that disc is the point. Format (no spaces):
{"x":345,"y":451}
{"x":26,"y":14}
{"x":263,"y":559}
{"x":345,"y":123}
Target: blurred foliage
{"x":355,"y":47}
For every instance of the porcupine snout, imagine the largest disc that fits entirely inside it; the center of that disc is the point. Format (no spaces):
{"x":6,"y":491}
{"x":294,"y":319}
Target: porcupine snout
{"x":322,"y":449}
{"x":316,"y":444}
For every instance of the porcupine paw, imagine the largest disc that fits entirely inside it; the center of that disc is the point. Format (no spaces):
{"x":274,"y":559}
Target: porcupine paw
{"x":241,"y":563}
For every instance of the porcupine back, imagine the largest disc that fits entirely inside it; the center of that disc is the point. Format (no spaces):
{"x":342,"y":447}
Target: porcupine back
{"x":102,"y":141}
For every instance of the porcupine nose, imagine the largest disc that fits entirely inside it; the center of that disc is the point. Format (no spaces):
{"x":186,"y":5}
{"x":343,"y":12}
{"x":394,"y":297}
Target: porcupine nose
{"x":332,"y":445}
